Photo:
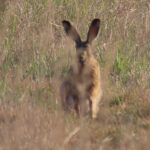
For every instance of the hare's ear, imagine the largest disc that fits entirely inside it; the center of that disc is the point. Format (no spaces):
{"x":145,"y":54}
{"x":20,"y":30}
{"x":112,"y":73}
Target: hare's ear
{"x":93,"y":30}
{"x":71,"y":31}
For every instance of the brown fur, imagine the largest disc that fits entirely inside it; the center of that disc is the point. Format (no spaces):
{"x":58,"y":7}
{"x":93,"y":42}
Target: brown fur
{"x":83,"y":81}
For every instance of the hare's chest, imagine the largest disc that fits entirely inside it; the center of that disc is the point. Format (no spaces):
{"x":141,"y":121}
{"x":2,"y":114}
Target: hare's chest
{"x":84,"y":75}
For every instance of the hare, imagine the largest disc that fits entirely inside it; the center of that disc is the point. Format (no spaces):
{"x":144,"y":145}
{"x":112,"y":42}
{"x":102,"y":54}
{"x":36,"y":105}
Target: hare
{"x":83,"y":83}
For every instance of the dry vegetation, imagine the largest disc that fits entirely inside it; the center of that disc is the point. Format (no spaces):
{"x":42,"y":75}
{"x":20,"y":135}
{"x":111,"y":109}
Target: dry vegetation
{"x":35,"y":54}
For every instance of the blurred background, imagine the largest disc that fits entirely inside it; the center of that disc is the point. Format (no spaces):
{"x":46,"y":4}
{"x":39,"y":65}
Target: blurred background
{"x":35,"y":55}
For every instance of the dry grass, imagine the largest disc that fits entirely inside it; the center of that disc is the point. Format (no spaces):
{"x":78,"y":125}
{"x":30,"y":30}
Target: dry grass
{"x":35,"y":54}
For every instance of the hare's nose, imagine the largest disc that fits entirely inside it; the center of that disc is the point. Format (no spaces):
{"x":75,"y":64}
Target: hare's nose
{"x":81,"y":60}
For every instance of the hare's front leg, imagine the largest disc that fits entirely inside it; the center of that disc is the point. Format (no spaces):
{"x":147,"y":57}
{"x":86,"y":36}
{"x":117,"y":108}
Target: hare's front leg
{"x":76,"y":105}
{"x":95,"y":105}
{"x":90,"y":106}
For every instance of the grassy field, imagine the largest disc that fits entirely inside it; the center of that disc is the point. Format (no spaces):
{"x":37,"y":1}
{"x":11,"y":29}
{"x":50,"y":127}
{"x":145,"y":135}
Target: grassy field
{"x":35,"y":55}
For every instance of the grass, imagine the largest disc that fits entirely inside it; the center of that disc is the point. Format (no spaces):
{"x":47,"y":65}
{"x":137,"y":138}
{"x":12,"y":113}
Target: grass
{"x":34,"y":56}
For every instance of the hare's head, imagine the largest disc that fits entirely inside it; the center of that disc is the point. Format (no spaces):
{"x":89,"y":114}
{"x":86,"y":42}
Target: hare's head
{"x":82,"y":47}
